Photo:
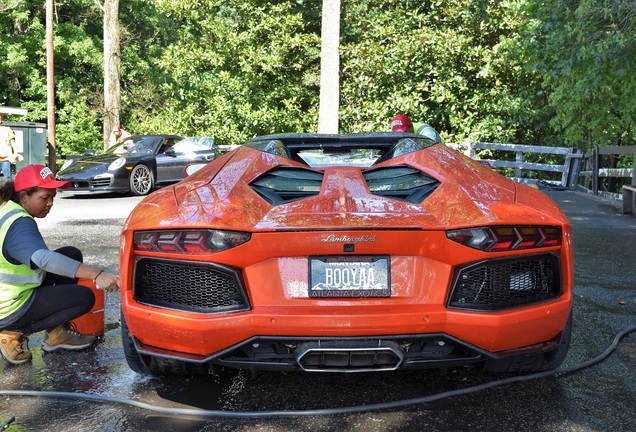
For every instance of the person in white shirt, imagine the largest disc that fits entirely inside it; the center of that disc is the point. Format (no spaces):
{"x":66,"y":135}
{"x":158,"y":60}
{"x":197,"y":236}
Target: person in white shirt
{"x":8,"y":155}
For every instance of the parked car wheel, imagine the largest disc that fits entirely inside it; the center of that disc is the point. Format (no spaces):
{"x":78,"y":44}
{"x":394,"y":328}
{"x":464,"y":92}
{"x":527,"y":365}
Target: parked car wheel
{"x":134,"y":360}
{"x":535,"y":361}
{"x":156,"y":365}
{"x":141,"y":180}
{"x":562,"y":351}
{"x":171,"y":367}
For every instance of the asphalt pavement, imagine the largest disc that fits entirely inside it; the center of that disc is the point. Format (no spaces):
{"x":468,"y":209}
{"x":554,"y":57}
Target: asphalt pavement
{"x":95,"y":389}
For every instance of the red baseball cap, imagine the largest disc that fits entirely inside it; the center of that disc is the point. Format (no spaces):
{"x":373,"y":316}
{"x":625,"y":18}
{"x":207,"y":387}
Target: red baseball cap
{"x":37,"y":175}
{"x":400,"y":123}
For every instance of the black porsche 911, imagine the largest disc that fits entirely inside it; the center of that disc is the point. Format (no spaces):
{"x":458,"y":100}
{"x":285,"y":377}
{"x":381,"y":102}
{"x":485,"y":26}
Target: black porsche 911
{"x":137,"y":165}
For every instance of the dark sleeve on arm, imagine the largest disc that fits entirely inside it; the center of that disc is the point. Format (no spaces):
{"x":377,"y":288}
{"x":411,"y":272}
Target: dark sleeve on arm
{"x":23,"y":239}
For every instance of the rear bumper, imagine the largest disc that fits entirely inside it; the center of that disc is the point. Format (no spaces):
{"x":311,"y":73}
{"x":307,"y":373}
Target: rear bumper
{"x":407,"y":339}
{"x":406,"y":352}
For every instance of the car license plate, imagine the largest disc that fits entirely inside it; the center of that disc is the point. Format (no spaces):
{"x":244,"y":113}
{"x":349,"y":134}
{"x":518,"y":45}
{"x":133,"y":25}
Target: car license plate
{"x":349,"y":276}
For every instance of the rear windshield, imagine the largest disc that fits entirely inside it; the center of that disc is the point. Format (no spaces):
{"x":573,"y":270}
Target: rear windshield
{"x":317,"y":153}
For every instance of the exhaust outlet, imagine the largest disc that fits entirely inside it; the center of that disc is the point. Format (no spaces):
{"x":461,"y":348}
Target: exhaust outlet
{"x":343,"y":356}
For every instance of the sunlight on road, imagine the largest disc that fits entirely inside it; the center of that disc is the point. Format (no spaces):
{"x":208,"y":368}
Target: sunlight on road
{"x":66,"y":209}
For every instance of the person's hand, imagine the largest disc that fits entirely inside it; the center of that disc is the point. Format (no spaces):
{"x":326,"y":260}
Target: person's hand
{"x":107,"y":281}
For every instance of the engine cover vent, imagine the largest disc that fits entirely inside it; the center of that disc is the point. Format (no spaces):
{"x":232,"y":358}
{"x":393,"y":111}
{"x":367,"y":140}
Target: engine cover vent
{"x":286,"y":184}
{"x":400,"y":182}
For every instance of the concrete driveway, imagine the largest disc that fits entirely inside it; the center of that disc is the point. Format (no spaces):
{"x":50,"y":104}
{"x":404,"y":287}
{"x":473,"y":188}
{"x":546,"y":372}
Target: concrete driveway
{"x":95,"y":390}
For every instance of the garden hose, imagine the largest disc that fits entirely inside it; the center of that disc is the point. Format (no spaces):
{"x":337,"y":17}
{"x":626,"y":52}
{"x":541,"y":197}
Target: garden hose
{"x":189,"y":412}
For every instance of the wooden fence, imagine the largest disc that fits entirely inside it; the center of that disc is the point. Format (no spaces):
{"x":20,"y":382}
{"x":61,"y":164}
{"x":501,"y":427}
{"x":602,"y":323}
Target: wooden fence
{"x":600,"y":175}
{"x":602,"y":171}
{"x":527,"y":161}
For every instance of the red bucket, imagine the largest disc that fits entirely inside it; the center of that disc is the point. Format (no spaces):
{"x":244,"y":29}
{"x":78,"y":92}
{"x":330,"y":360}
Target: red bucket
{"x":92,"y":322}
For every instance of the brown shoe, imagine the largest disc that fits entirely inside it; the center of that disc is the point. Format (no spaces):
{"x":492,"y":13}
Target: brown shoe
{"x":14,"y":347}
{"x":66,"y":336}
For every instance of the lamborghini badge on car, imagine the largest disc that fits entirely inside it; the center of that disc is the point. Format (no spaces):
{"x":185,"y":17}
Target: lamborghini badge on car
{"x":346,"y":253}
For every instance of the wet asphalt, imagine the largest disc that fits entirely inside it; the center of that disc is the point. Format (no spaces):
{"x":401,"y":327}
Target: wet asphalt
{"x":95,"y":390}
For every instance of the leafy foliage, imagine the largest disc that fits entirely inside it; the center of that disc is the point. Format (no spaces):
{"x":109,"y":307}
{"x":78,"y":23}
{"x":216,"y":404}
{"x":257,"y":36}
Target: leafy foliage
{"x":240,"y":69}
{"x":442,"y":63}
{"x":522,"y":71}
{"x":586,"y":54}
{"x":78,"y":66}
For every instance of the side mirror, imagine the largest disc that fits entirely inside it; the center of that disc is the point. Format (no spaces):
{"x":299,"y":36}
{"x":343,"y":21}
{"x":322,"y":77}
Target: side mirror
{"x":170,"y":152}
{"x":89,"y":153}
{"x":193,"y":167}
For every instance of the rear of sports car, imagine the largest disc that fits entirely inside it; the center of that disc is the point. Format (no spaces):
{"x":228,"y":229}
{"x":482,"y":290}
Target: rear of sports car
{"x":423,"y":259}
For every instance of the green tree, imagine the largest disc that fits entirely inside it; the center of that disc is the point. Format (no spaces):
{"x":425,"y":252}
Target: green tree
{"x":241,"y":68}
{"x":439,"y":62}
{"x":585,"y":52}
{"x":22,"y":33}
{"x":78,"y":40}
{"x":525,"y":71}
{"x":77,"y":67}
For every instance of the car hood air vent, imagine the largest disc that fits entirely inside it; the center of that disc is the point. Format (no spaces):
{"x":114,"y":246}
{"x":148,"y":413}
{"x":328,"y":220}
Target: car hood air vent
{"x":285,"y":184}
{"x":400,"y":182}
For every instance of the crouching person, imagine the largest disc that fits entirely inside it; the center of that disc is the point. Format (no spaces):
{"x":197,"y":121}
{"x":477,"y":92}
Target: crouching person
{"x":38,"y":287}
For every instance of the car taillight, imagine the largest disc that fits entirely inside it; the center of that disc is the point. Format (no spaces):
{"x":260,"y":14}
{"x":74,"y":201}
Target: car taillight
{"x":189,"y":241}
{"x":505,"y":238}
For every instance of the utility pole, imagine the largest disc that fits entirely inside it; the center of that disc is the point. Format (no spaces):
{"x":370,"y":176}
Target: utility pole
{"x":50,"y":86}
{"x":329,"y":68}
{"x":112,"y":62}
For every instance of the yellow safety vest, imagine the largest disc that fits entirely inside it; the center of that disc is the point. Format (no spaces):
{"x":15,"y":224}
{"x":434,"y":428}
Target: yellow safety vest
{"x":428,"y":131}
{"x":17,"y":281}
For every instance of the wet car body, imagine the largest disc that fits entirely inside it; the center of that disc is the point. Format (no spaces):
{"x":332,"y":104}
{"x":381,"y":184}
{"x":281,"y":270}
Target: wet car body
{"x":346,"y":253}
{"x":138,"y":165}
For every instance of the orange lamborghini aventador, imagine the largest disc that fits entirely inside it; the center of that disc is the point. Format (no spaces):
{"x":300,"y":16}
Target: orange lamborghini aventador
{"x":345,"y":253}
